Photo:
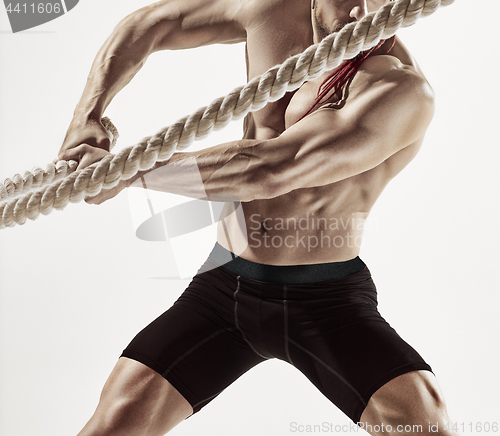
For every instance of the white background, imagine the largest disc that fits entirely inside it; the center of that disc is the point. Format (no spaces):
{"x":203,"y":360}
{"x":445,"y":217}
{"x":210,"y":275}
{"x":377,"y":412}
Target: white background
{"x":77,"y":285}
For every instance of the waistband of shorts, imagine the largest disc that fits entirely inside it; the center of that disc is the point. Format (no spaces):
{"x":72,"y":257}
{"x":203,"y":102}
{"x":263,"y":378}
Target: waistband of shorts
{"x":284,"y":274}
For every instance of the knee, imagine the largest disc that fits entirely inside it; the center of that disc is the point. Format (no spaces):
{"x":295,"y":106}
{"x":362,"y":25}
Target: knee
{"x":433,"y":413}
{"x":410,"y":404}
{"x":118,"y":418}
{"x":427,"y":414}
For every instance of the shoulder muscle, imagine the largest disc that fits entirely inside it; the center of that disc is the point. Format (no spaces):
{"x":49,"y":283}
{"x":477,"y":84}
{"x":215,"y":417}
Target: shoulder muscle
{"x":392,"y":97}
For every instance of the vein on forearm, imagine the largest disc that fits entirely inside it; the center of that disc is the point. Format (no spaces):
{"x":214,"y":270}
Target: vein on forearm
{"x":117,"y":62}
{"x":227,"y":172}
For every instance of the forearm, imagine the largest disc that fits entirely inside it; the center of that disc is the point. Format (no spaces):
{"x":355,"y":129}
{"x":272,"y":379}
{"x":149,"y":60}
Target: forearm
{"x":227,"y":172}
{"x":165,"y":25}
{"x":119,"y":59}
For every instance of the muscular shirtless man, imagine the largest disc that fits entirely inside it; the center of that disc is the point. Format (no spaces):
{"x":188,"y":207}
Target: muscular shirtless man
{"x":323,"y":160}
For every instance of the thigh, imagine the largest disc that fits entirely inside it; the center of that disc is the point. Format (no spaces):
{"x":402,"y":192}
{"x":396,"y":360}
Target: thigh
{"x":347,"y":349}
{"x":195,"y":344}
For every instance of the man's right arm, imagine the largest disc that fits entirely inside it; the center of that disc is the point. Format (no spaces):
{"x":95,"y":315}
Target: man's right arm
{"x":168,"y":24}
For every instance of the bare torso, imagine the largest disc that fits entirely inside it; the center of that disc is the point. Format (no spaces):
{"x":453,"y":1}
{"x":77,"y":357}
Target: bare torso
{"x":299,"y":224}
{"x":309,"y":225}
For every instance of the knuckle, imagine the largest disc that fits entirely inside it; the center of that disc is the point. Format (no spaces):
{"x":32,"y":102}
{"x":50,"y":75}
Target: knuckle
{"x":85,"y":148}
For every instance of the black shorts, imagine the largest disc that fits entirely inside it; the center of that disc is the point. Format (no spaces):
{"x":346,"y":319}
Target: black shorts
{"x":229,"y":320}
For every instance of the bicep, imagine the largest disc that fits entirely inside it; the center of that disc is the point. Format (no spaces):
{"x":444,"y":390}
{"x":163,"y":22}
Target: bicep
{"x":329,"y":146}
{"x":181,"y":24}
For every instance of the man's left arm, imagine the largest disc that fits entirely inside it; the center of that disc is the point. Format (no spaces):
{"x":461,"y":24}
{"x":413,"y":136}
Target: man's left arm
{"x":323,"y":148}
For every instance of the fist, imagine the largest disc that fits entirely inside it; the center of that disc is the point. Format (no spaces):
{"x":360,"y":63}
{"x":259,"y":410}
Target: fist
{"x":88,"y":132}
{"x":84,"y":154}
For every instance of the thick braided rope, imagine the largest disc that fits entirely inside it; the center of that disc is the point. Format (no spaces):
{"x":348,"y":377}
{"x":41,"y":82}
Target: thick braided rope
{"x":67,"y":185}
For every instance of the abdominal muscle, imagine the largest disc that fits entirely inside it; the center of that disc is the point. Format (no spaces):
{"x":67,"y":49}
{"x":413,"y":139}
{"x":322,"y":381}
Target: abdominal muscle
{"x":305,"y":226}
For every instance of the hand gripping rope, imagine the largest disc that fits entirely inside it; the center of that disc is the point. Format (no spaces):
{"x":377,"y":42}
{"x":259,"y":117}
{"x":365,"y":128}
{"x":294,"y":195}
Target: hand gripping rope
{"x":60,"y":184}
